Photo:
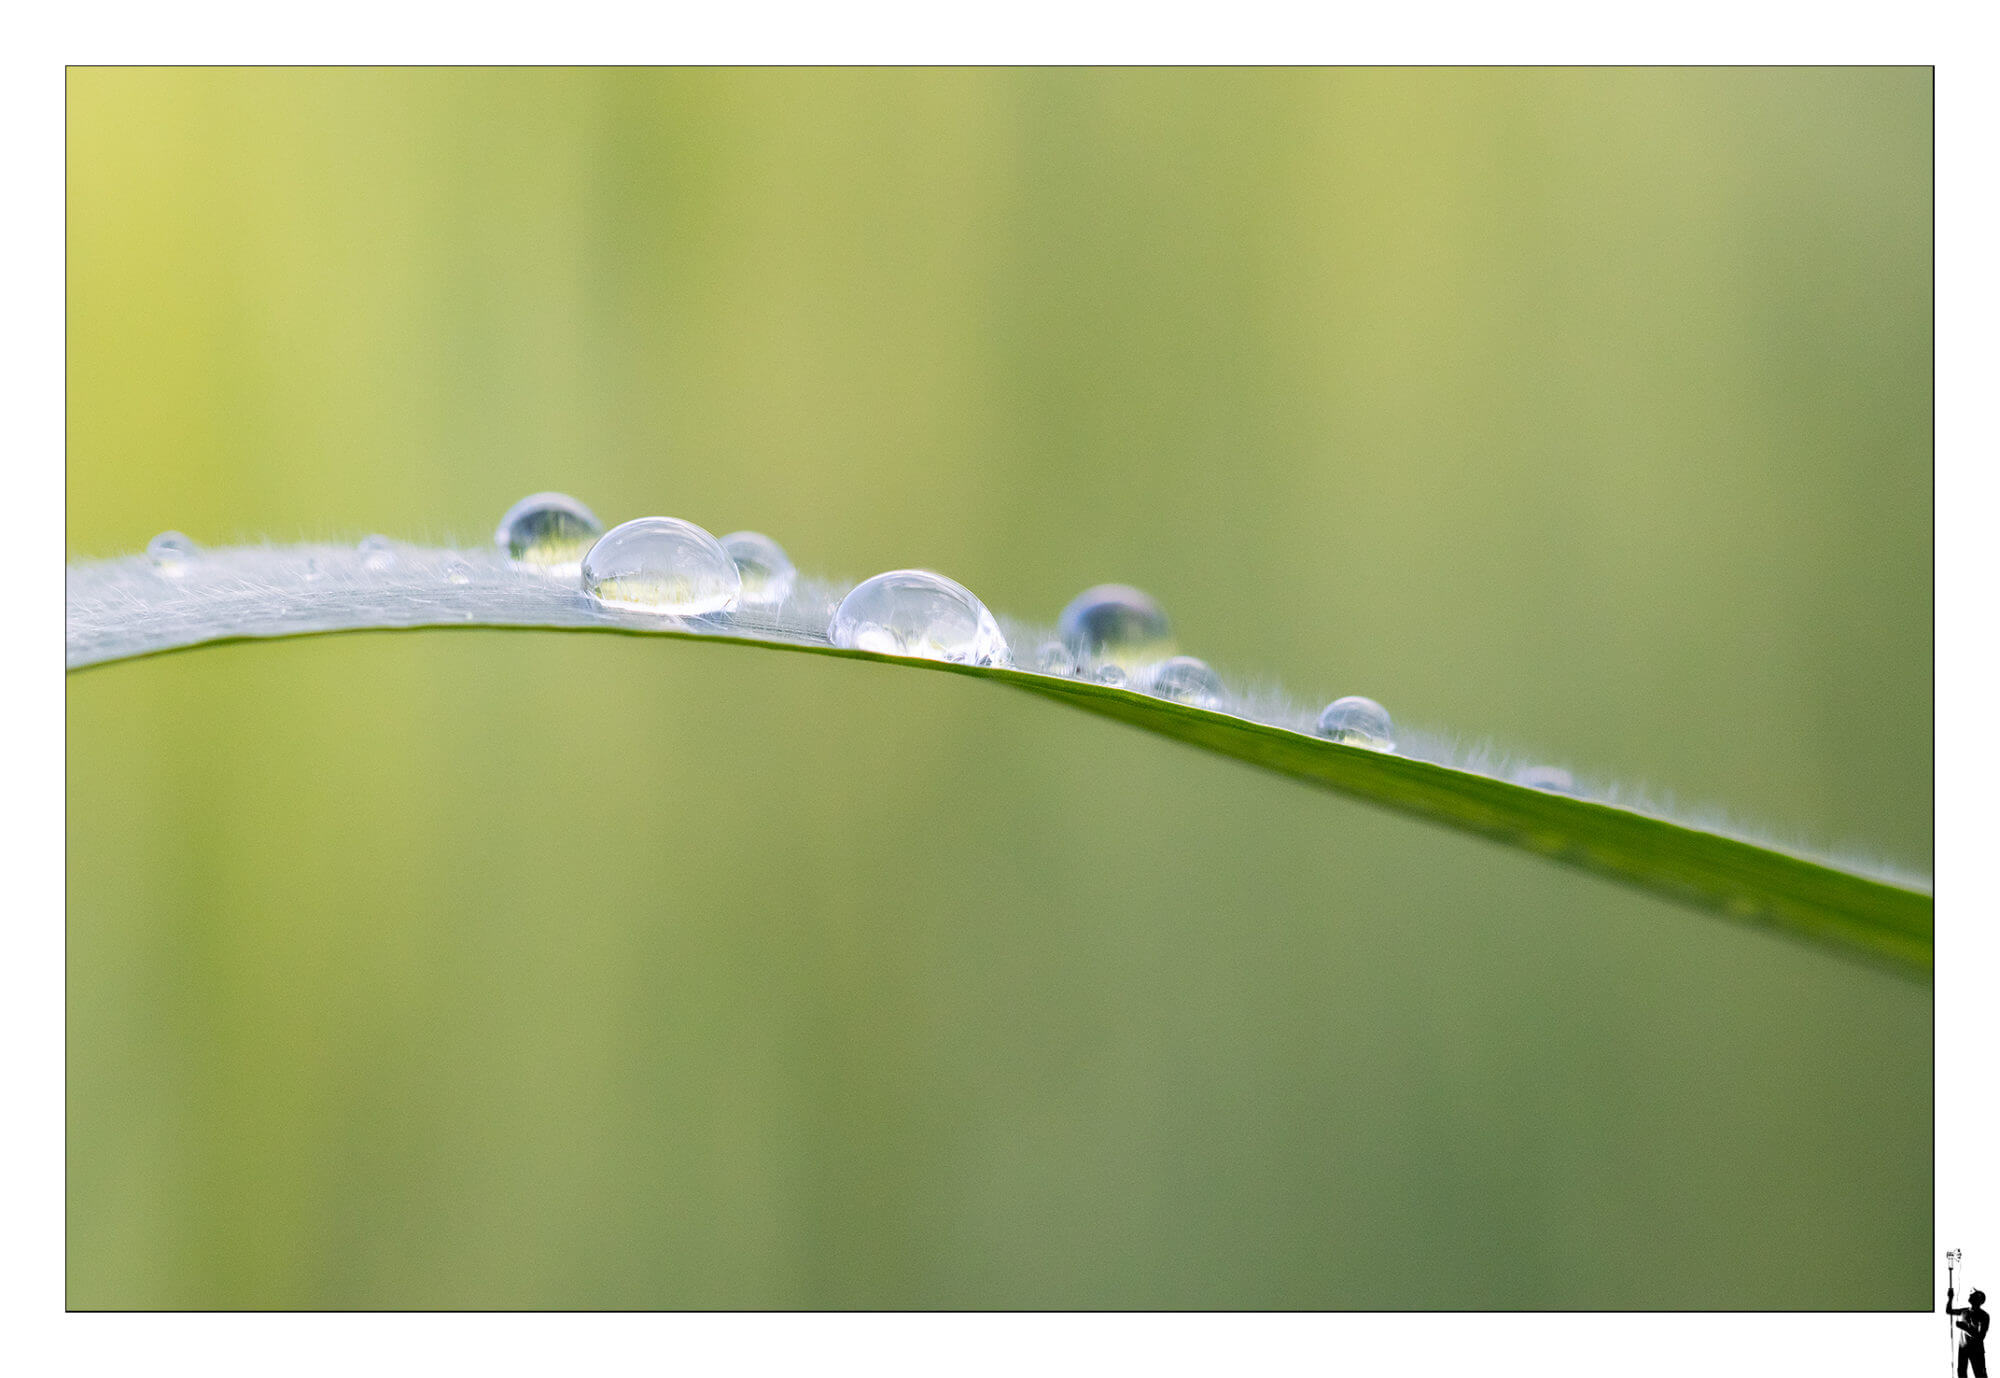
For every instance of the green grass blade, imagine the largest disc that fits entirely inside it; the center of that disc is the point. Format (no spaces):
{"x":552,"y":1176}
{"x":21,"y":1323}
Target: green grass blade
{"x":1863,"y":916}
{"x":122,"y":610}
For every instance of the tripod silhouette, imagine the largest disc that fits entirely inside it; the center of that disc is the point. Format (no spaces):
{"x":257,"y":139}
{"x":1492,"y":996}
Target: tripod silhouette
{"x":1972,"y":1321}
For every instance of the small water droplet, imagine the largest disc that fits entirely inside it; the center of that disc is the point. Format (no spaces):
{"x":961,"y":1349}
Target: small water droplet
{"x":1113,"y":675}
{"x":457,"y":571}
{"x":661,"y":565}
{"x":763,"y":566}
{"x":1357,"y":721}
{"x":313,"y":571}
{"x":377,"y":552}
{"x":172,"y":553}
{"x":1186,"y":679}
{"x":549,"y":532}
{"x":1054,"y":658}
{"x":1554,"y":779}
{"x":913,"y":612}
{"x":1118,"y":624}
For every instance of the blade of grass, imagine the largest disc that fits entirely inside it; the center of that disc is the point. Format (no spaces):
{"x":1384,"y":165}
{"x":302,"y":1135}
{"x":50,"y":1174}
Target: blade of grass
{"x":124,"y":609}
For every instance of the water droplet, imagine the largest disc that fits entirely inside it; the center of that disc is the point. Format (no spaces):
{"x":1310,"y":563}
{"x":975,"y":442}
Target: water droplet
{"x":172,"y":553}
{"x":457,"y":571}
{"x":763,"y":566}
{"x":1054,"y":658}
{"x":377,"y":552}
{"x":912,"y":612}
{"x":1554,"y":779}
{"x":548,"y":531}
{"x":661,"y":565}
{"x":1185,"y":679}
{"x":1118,"y":624}
{"x":1357,"y":721}
{"x":313,"y":571}
{"x":1113,"y":675}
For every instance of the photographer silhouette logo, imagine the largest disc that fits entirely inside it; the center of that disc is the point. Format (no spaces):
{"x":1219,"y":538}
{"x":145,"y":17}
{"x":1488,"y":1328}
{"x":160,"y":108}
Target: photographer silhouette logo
{"x":1968,"y":1323}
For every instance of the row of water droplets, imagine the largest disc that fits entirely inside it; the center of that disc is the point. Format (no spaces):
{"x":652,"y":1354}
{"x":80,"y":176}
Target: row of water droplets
{"x":1117,"y":635}
{"x":672,"y":568}
{"x":1111,"y":634}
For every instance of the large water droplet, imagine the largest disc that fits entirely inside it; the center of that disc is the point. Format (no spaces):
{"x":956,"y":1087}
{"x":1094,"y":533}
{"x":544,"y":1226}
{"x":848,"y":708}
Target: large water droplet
{"x":1185,"y":679}
{"x":1116,"y":623}
{"x":377,"y":552}
{"x":1554,"y":779}
{"x":662,"y":565}
{"x":548,"y":531}
{"x":1357,"y":721}
{"x":172,"y":553}
{"x":763,"y":566}
{"x":912,"y":612}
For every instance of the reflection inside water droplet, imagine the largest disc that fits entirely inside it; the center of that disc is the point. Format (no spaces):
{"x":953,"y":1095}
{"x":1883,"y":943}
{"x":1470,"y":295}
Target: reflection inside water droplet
{"x":549,"y":532}
{"x":1054,"y":658}
{"x":762,"y":565}
{"x":1118,"y":624}
{"x":1357,"y":721}
{"x":1185,"y":679}
{"x":377,"y":552}
{"x":661,"y":565}
{"x":172,"y":553}
{"x":913,"y":612}
{"x":1554,"y":779}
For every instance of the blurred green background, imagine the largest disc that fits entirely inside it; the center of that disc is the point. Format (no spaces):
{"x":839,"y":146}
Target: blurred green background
{"x":1584,"y":411}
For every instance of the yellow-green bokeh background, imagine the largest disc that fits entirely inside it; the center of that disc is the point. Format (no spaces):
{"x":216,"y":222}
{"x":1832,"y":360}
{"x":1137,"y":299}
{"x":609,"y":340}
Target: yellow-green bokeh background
{"x":1588,"y":411}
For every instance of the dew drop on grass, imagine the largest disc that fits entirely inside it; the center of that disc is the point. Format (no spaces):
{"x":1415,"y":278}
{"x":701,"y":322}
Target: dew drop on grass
{"x":549,"y":532}
{"x":377,"y":552}
{"x":1357,"y":721}
{"x":1116,"y":624}
{"x":661,"y":565}
{"x":1113,"y":675}
{"x":1185,"y":679}
{"x":763,"y":566}
{"x":1554,"y":779}
{"x":1054,"y":658}
{"x":913,"y":612}
{"x":457,"y":571}
{"x":172,"y":553}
